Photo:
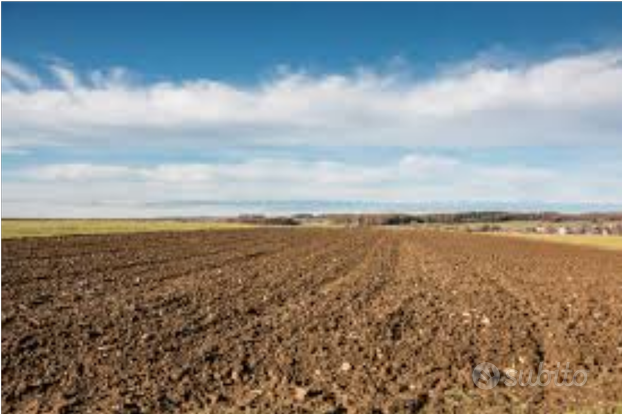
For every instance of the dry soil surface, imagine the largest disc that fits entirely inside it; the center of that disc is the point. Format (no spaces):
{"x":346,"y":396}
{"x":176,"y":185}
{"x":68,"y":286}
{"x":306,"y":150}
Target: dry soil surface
{"x":303,"y":320}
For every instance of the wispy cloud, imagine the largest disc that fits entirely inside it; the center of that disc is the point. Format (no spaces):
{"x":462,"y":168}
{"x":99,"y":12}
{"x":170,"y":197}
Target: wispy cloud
{"x":413,"y":178}
{"x":65,"y":75}
{"x":16,"y":76}
{"x":564,"y":101}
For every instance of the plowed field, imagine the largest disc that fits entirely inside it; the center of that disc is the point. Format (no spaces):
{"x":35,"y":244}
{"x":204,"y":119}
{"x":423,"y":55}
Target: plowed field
{"x":303,"y":320}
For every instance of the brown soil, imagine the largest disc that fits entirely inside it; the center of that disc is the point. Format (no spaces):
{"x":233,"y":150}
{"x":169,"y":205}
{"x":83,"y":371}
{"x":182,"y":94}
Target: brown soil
{"x":303,"y":320}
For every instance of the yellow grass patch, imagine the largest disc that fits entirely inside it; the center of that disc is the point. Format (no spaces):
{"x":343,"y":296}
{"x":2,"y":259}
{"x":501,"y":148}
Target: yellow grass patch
{"x":44,"y":228}
{"x":603,"y":242}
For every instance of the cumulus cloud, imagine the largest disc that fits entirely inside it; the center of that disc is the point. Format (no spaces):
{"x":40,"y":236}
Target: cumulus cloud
{"x":563,"y":101}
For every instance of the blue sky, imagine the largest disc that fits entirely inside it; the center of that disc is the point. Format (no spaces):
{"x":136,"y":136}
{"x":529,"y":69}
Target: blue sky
{"x":245,"y":42}
{"x":128,"y":109}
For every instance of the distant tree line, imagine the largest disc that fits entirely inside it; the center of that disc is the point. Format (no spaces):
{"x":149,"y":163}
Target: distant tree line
{"x":265,"y":220}
{"x":464,"y":218}
{"x":403,"y":219}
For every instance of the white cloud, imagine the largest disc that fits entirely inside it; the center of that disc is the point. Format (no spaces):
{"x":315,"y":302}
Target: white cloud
{"x":256,"y":172}
{"x":188,"y":189}
{"x":17,"y":76}
{"x":418,"y":166}
{"x":564,"y":101}
{"x":78,"y":172}
{"x":67,"y":78}
{"x":568,"y":101}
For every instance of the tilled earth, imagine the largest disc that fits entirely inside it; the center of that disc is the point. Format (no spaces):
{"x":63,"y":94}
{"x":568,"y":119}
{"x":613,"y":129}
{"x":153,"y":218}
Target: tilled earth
{"x":304,"y":320}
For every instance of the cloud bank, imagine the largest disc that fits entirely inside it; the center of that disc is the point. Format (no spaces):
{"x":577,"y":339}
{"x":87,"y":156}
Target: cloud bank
{"x":294,"y":135}
{"x":75,"y":189}
{"x":572,"y":100}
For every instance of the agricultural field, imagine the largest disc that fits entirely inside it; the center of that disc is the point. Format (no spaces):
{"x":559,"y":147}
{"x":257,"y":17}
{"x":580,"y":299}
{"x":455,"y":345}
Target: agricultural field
{"x":601,"y":242}
{"x":16,"y":228}
{"x":308,"y":320}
